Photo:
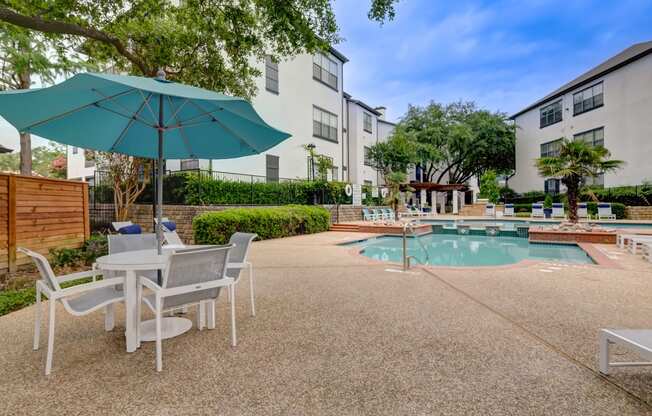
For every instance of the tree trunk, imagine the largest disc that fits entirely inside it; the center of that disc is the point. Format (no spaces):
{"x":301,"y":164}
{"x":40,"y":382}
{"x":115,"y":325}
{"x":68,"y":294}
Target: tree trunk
{"x":25,"y":138}
{"x":572,"y":187}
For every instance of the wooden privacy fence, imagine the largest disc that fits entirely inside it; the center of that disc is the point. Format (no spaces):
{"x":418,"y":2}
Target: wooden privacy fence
{"x":40,"y":214}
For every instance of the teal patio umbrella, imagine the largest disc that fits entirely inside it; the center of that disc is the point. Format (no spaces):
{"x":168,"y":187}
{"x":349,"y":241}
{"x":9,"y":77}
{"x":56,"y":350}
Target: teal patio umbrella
{"x":145,"y":117}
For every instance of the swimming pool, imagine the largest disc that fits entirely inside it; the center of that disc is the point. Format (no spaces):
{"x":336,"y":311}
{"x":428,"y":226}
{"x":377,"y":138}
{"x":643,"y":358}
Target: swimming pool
{"x":507,"y":224}
{"x":469,"y":250}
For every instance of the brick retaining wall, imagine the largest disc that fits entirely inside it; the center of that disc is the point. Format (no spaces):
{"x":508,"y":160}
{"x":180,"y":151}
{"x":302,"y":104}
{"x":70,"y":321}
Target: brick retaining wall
{"x":638,"y":213}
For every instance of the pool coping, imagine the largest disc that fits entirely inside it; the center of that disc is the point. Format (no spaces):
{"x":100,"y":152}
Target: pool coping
{"x":597,"y":256}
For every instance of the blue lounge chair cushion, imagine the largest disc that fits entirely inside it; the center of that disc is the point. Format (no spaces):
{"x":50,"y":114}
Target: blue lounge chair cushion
{"x":558,"y":205}
{"x":509,"y":205}
{"x":537,"y":206}
{"x":604,"y":205}
{"x":582,"y":205}
{"x":170,"y":225}
{"x":131,"y":229}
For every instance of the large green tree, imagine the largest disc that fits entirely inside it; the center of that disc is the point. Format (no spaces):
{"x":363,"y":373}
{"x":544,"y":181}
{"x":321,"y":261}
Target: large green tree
{"x":576,"y":160}
{"x":457,"y":141}
{"x":43,"y":160}
{"x":26,"y":56}
{"x":209,"y":43}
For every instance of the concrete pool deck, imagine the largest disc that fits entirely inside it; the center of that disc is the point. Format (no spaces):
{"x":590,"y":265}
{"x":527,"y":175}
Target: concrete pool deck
{"x":336,"y":334}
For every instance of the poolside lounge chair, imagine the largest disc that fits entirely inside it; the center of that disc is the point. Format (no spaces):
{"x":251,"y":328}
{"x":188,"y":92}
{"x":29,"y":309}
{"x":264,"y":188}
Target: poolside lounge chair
{"x":77,"y":300}
{"x":192,"y":277}
{"x":118,"y":225}
{"x":389,"y":213}
{"x":558,"y":210}
{"x":636,"y":241}
{"x":509,"y":210}
{"x":637,"y":340}
{"x":537,"y":211}
{"x":604,"y":211}
{"x":489,"y":210}
{"x":368,"y":215}
{"x":582,"y":210}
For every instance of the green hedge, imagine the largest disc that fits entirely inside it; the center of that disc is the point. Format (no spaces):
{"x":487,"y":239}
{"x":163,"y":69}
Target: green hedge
{"x":217,"y":227}
{"x":200,"y":190}
{"x":617,"y":208}
{"x":627,"y":195}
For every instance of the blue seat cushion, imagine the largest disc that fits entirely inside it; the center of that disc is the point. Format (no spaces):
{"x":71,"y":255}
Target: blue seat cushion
{"x":170,"y":225}
{"x":130,"y":229}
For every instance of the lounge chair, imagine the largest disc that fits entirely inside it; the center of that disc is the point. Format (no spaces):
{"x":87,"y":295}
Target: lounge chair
{"x":582,"y":210}
{"x":118,"y":225}
{"x":604,"y":211}
{"x":636,"y":241}
{"x":170,"y":233}
{"x":558,"y":210}
{"x":192,"y":277}
{"x":368,"y":215}
{"x":508,"y":211}
{"x":537,"y":211}
{"x":637,"y":340}
{"x":389,"y":213}
{"x":77,"y":300}
{"x":489,"y":210}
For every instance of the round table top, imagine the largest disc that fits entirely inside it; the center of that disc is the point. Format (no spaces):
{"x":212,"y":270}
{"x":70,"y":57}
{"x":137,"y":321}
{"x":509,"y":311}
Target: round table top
{"x":133,"y":260}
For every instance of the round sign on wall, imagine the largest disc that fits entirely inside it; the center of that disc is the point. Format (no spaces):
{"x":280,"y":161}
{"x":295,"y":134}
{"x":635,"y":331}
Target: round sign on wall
{"x":348,"y":189}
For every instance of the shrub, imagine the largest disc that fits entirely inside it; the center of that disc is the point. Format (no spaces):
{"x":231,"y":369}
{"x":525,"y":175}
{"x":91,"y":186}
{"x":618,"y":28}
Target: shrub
{"x":63,"y":257}
{"x":217,"y":227}
{"x":92,"y":248}
{"x":507,"y":193}
{"x":489,"y":187}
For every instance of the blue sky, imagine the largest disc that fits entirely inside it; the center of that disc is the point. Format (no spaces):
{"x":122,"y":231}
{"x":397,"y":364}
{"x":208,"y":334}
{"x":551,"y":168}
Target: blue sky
{"x":503,"y":54}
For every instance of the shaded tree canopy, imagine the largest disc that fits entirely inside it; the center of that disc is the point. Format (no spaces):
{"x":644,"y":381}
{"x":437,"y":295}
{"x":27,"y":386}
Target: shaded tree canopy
{"x":208,"y":43}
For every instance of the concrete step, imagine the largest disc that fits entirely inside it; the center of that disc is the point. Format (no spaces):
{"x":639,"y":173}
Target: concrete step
{"x":344,"y":227}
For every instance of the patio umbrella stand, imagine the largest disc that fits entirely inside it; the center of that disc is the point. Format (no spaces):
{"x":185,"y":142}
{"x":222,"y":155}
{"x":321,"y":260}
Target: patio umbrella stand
{"x":142,"y":117}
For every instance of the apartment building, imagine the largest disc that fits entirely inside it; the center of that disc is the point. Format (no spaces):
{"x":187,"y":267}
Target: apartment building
{"x":609,"y":105}
{"x":303,"y":96}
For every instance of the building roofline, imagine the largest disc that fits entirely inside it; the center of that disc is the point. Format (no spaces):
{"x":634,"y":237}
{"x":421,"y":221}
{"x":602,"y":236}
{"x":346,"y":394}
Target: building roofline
{"x":380,"y":120}
{"x":338,"y":54}
{"x":364,"y":105}
{"x":623,"y":58}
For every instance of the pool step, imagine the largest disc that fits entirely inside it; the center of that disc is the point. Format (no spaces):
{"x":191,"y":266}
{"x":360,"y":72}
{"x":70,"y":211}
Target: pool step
{"x":345,"y":227}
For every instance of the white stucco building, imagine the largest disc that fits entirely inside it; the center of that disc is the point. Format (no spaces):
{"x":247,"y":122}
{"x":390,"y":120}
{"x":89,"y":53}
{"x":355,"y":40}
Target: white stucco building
{"x":303,"y":96}
{"x":610,"y":104}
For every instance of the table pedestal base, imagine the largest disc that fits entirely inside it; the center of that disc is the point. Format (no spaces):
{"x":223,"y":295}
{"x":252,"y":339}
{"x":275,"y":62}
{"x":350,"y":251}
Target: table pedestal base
{"x":170,"y":328}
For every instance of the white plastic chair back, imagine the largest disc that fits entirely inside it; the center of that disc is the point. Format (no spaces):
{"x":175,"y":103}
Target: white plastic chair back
{"x":582,"y":211}
{"x":490,"y":210}
{"x":172,"y":238}
{"x":192,"y":267}
{"x":509,"y":210}
{"x":558,"y":210}
{"x":43,"y":266}
{"x":604,"y":210}
{"x":120,"y":243}
{"x":241,"y":244}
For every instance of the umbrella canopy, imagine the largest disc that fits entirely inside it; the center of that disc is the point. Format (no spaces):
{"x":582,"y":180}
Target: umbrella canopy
{"x":119,"y":113}
{"x":144,"y":117}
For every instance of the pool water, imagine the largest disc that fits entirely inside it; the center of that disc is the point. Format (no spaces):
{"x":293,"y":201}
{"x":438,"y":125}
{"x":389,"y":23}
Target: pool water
{"x":469,"y":250}
{"x":511,"y":224}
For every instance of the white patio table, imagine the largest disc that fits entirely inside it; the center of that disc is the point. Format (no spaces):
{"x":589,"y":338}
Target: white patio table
{"x":131,"y":262}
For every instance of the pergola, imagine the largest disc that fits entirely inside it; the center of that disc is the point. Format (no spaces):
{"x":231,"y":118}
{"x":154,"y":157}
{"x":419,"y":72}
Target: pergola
{"x":423,"y":188}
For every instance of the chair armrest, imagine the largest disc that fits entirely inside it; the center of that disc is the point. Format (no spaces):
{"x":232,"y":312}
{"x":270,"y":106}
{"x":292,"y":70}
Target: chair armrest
{"x":236,"y":265}
{"x":75,"y":290}
{"x":194,"y":287}
{"x":79,"y":275}
{"x":150,"y":284}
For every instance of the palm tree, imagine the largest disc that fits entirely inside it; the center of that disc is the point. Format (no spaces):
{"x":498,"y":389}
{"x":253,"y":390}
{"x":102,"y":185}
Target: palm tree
{"x":576,"y":160}
{"x":395,"y":181}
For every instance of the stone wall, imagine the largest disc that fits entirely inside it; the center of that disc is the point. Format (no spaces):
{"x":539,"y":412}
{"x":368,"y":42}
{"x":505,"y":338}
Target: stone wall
{"x":182,"y":215}
{"x":638,"y":213}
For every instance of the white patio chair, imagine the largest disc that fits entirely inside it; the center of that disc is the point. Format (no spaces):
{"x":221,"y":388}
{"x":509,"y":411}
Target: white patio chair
{"x":192,"y":277}
{"x":537,"y":211}
{"x":637,"y":340}
{"x":508,"y":211}
{"x":368,"y":215}
{"x":604,"y":211}
{"x":582,"y":210}
{"x":558,"y":210}
{"x":238,"y":260}
{"x":77,"y":300}
{"x":489,"y":210}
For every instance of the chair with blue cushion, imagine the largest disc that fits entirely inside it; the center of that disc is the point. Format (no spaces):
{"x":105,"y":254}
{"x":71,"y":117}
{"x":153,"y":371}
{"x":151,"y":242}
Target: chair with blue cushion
{"x":558,"y":210}
{"x":582,"y":210}
{"x":604,"y":211}
{"x":509,"y":210}
{"x":537,"y":211}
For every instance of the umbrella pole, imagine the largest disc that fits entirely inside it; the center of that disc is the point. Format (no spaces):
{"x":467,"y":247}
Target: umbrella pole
{"x":159,"y":177}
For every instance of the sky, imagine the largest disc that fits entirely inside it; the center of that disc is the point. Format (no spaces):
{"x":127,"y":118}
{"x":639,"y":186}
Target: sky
{"x":502,"y":54}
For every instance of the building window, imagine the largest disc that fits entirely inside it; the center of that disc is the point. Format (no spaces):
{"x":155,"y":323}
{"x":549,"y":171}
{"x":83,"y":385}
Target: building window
{"x":550,"y":114}
{"x":271,"y":163}
{"x":271,"y":75}
{"x":588,"y":99}
{"x":189,"y":164}
{"x":324,"y":69}
{"x":324,"y":124}
{"x":366,"y":122}
{"x":551,"y":149}
{"x":551,"y":186}
{"x":593,"y":137}
{"x":75,"y":150}
{"x":335,"y":172}
{"x":367,"y":159}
